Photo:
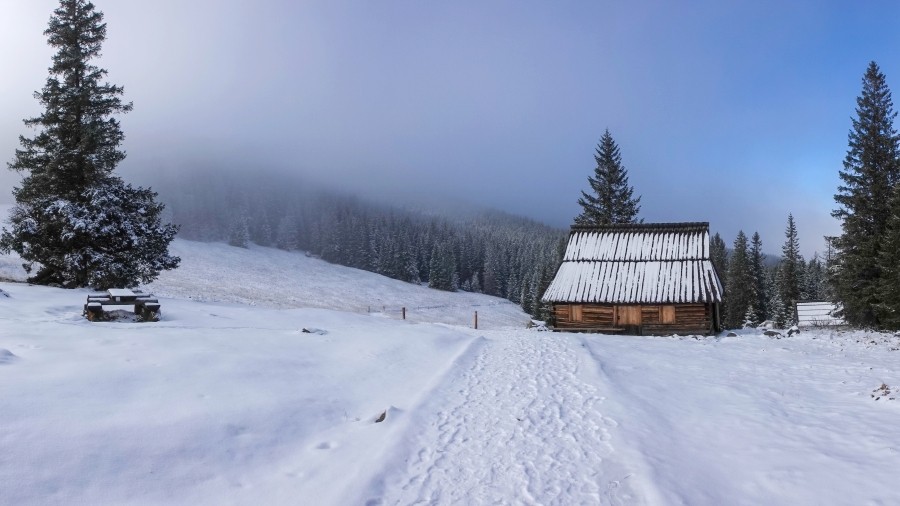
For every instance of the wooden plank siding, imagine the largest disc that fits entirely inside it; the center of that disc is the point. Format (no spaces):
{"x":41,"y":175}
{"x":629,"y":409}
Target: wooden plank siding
{"x":646,"y":319}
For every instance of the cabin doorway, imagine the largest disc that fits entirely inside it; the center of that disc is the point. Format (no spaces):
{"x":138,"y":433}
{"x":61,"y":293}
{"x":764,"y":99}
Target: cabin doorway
{"x":628,"y":315}
{"x":629,"y":319}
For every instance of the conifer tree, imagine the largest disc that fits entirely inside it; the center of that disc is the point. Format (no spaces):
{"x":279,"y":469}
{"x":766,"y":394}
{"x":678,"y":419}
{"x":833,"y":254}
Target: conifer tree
{"x":777,"y":309}
{"x":888,"y":308}
{"x":286,"y":235}
{"x":611,"y":199}
{"x":815,"y":279}
{"x":239,"y":232}
{"x":442,"y":270}
{"x":718,"y":255}
{"x":791,"y":267}
{"x":871,"y":170}
{"x":740,"y":297}
{"x":78,"y":222}
{"x":758,"y":277}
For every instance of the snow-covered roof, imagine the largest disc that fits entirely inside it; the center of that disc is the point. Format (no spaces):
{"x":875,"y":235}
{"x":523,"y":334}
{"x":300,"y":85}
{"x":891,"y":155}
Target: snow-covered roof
{"x":818,"y":314}
{"x":636,"y":264}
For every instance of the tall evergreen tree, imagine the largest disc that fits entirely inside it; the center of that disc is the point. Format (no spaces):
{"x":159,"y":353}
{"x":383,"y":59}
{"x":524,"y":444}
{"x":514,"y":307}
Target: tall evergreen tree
{"x":871,"y":169}
{"x":758,"y":277}
{"x":791,"y":266}
{"x":719,"y":256}
{"x":612,"y":200}
{"x":888,"y":308}
{"x":81,"y":224}
{"x":740,"y":282}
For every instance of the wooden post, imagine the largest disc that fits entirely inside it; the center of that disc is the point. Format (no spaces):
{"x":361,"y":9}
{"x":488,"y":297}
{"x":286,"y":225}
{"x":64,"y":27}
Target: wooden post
{"x":404,"y":313}
{"x":476,"y":320}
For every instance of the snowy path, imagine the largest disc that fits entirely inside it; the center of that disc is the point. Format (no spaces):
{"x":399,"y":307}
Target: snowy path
{"x":516,"y":423}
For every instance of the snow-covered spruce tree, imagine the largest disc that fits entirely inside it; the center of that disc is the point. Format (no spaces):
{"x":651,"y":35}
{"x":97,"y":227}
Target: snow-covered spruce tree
{"x":740,"y":286}
{"x":814,"y":279}
{"x":239,"y":231}
{"x":74,"y":220}
{"x":442,"y":269}
{"x":110,"y":235}
{"x":777,"y":309}
{"x":612,"y":200}
{"x":871,"y":169}
{"x":750,"y":319}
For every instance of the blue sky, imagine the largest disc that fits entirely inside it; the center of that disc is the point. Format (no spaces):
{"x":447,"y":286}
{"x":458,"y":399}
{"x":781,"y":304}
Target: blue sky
{"x":735,"y":113}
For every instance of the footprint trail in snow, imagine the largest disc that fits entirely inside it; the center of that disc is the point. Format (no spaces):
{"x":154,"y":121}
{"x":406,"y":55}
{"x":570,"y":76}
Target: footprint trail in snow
{"x":515,"y":424}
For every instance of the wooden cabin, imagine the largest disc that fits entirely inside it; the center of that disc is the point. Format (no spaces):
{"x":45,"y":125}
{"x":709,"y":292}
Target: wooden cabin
{"x":638,"y":279}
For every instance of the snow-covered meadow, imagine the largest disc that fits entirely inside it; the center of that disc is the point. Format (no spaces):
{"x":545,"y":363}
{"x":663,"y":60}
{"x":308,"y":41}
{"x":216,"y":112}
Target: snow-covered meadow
{"x":227,"y":401}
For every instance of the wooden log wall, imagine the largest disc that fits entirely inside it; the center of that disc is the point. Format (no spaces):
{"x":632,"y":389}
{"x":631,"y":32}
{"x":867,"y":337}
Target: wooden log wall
{"x":593,"y":315}
{"x":689,"y":318}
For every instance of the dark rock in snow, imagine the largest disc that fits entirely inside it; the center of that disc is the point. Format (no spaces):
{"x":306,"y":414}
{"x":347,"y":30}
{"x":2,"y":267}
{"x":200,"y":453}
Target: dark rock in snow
{"x":7,"y":357}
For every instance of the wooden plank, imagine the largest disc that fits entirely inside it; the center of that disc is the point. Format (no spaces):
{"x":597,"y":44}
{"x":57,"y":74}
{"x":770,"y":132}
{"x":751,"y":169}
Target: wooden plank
{"x":667,"y":314}
{"x":577,"y":313}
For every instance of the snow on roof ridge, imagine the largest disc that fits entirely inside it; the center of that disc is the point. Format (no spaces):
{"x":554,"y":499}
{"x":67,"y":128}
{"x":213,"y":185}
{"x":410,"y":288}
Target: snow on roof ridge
{"x":687,"y":226}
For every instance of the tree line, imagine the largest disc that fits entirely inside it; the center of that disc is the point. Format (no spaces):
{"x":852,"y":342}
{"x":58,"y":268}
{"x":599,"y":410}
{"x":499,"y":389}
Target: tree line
{"x":759,"y":290}
{"x":486,"y":252}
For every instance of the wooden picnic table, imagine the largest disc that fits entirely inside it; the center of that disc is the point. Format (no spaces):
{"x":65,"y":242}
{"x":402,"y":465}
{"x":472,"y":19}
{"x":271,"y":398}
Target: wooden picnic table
{"x":145,"y":305}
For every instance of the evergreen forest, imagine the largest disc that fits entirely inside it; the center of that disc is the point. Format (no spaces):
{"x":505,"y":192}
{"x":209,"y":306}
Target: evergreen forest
{"x":479,"y":251}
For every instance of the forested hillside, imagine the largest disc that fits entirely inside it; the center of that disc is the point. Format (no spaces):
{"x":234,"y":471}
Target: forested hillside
{"x":484,"y":251}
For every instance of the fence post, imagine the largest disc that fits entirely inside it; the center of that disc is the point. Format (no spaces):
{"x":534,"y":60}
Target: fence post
{"x":476,"y":320}
{"x":404,"y":313}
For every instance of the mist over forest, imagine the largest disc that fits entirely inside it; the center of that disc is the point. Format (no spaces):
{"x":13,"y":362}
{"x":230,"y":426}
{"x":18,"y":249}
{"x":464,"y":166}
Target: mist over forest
{"x":445,"y":246}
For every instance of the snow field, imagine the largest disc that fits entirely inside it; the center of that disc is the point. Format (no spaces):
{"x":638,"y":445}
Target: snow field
{"x":226,"y":401}
{"x":274,"y":278}
{"x":754,"y":420}
{"x":213,"y":405}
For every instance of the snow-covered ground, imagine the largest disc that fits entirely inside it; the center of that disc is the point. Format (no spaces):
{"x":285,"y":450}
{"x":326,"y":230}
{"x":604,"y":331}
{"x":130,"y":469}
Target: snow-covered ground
{"x":227,"y":400}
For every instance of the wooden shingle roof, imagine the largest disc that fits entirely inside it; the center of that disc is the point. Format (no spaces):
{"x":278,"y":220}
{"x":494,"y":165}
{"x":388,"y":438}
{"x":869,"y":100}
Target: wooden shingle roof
{"x":647,"y":263}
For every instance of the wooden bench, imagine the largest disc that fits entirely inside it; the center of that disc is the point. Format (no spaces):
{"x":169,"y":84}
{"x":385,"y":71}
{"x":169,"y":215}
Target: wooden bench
{"x":145,"y":305}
